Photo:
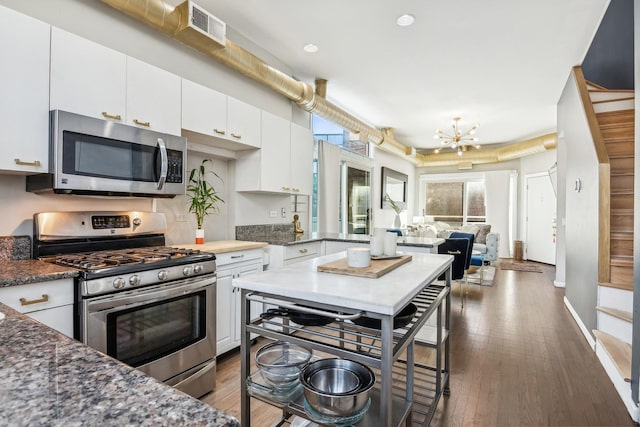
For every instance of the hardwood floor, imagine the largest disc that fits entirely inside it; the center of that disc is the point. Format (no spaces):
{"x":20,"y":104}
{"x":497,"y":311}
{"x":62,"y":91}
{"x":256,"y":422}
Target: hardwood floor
{"x":517,"y":359}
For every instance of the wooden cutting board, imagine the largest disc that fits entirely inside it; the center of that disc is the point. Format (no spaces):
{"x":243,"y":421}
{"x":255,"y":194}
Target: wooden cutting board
{"x":378,"y":267}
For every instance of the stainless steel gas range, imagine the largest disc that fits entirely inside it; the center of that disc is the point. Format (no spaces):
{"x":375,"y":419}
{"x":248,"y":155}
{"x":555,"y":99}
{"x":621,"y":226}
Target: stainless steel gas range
{"x":147,"y":305}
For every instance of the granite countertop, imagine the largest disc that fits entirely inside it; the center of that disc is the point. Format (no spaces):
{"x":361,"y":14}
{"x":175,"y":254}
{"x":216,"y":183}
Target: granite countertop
{"x":21,"y":272}
{"x":223,"y":246}
{"x":49,"y":379}
{"x":294,"y":239}
{"x":385,"y":295}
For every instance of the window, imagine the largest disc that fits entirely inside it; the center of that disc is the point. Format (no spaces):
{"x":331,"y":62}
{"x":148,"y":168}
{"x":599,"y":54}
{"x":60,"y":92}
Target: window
{"x":331,"y":132}
{"x":455,"y":202}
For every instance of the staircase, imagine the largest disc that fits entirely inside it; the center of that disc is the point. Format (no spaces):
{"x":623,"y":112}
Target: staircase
{"x":614,"y":111}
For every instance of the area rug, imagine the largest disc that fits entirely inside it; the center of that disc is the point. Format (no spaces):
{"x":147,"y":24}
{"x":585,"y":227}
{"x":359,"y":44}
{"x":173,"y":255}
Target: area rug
{"x":520,"y":267}
{"x":487,"y":279}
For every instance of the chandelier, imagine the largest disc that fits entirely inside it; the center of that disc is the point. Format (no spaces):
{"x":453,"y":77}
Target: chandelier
{"x":458,"y":140}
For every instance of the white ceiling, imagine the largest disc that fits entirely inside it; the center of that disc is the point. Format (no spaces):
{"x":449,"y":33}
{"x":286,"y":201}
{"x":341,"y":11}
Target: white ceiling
{"x":499,"y":63}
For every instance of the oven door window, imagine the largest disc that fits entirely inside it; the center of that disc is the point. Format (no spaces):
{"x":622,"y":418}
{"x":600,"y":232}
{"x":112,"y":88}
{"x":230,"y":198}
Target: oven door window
{"x":139,"y":335}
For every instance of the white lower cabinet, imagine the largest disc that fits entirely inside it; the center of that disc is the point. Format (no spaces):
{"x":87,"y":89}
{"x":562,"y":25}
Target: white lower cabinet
{"x":232,"y":265}
{"x":48,"y":302}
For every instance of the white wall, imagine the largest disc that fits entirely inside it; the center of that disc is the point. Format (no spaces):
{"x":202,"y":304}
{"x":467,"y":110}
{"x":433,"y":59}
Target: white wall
{"x":385,"y":217}
{"x":18,"y":206}
{"x":581,"y":230}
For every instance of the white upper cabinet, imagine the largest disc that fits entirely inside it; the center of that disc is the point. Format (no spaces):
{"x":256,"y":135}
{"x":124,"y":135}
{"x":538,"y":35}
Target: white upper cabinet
{"x":243,"y":122}
{"x":90,"y":79}
{"x":153,"y":97}
{"x":301,"y":160}
{"x":24,"y":89}
{"x":284,"y":162}
{"x":204,"y":110}
{"x":276,"y":159}
{"x":86,"y":77}
{"x":234,"y":124}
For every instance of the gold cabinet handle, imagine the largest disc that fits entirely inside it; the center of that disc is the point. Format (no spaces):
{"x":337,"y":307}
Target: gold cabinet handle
{"x":24,"y":301}
{"x":237,"y":256}
{"x":138,"y":122}
{"x":111,"y":116}
{"x":21,"y":163}
{"x":296,"y":189}
{"x":219,"y":132}
{"x":286,"y":188}
{"x":304,"y":251}
{"x":236,"y":135}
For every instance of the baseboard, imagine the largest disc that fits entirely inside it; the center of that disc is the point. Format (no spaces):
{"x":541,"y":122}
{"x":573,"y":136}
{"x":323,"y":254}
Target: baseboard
{"x":623,"y":388}
{"x":558,"y":284}
{"x":583,"y":328}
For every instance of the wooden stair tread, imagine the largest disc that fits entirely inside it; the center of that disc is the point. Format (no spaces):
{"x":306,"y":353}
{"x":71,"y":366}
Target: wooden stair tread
{"x":621,"y":193}
{"x":619,"y":352}
{"x":622,"y":234}
{"x":616,"y":285}
{"x":621,"y":156}
{"x":622,"y":261}
{"x":602,"y":101}
{"x":619,"y":314}
{"x":621,"y":211}
{"x":622,"y":173}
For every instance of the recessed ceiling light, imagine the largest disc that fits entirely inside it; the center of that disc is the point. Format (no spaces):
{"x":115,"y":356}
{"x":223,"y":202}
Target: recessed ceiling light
{"x":405,"y":20}
{"x":310,"y":48}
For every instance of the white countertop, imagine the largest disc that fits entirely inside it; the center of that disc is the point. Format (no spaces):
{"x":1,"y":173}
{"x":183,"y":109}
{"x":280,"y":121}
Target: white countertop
{"x":385,"y":295}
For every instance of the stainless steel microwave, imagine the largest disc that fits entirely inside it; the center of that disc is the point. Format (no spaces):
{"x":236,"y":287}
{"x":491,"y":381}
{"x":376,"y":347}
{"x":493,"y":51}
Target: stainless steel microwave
{"x":99,"y":157}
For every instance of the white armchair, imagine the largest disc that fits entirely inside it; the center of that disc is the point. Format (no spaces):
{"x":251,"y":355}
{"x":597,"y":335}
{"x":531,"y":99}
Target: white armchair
{"x":489,"y":250}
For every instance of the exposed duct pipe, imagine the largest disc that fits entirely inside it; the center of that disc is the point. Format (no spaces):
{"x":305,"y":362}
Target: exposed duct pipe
{"x":490,"y":155}
{"x":172,"y":20}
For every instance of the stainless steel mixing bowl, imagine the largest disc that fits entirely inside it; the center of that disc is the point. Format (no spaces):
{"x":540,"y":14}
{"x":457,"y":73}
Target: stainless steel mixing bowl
{"x":280,"y":363}
{"x":320,"y":389}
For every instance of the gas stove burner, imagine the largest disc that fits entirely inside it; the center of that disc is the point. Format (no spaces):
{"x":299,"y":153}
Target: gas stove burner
{"x":117,"y":259}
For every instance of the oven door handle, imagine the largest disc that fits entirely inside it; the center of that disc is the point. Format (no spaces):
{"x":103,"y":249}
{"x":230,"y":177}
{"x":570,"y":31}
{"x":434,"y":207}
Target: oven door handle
{"x":137,"y":298}
{"x":165,"y":162}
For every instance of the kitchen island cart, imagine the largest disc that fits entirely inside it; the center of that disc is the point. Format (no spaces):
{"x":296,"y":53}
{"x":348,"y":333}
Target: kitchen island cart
{"x":406,"y":392}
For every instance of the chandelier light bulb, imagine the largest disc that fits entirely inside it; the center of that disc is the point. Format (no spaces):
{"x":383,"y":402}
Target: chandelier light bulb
{"x":459,"y":152}
{"x":454,"y":145}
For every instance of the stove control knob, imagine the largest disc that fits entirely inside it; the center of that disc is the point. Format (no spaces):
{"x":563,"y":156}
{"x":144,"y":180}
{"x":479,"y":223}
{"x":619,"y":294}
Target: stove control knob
{"x":197,"y":269}
{"x":134,"y":280}
{"x":118,"y":283}
{"x":186,"y":271}
{"x":162,"y":275}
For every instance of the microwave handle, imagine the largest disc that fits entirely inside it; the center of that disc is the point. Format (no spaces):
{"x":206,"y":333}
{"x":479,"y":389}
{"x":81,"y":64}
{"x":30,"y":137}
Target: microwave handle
{"x":165,"y":161}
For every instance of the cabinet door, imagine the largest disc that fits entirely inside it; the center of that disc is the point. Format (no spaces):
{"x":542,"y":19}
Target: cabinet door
{"x":255,"y":308}
{"x":243,"y":122}
{"x":301,"y":160}
{"x":153,"y":97}
{"x":24,"y":89}
{"x":87,"y":78}
{"x":58,"y":318}
{"x":204,"y":110}
{"x":276,"y":159}
{"x":225,"y":307}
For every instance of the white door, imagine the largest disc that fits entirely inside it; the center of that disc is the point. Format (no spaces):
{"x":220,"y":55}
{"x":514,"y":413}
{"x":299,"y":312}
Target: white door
{"x":540,"y":242}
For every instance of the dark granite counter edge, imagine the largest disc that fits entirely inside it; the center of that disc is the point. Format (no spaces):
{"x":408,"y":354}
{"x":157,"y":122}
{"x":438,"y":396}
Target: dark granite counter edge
{"x":50,"y":379}
{"x":27,"y":279}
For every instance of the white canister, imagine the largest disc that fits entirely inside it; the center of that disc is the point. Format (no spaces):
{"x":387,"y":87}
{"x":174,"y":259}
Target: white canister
{"x":390,"y":244}
{"x":358,"y":257}
{"x":379,"y":232}
{"x":377,"y":245}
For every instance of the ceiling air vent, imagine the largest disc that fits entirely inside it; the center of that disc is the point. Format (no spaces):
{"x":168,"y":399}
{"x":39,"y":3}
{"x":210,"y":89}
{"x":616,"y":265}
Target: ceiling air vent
{"x":198,"y":24}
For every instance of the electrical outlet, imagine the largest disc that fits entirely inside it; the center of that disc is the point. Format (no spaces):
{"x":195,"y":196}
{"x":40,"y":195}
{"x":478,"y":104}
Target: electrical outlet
{"x":182,"y":218}
{"x":273,"y":214}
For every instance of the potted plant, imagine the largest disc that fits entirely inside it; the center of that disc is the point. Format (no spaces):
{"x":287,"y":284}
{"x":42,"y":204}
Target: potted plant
{"x":203,"y":197}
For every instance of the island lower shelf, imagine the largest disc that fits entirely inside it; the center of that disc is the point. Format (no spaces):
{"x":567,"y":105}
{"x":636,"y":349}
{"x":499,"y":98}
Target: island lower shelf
{"x":416,"y":398}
